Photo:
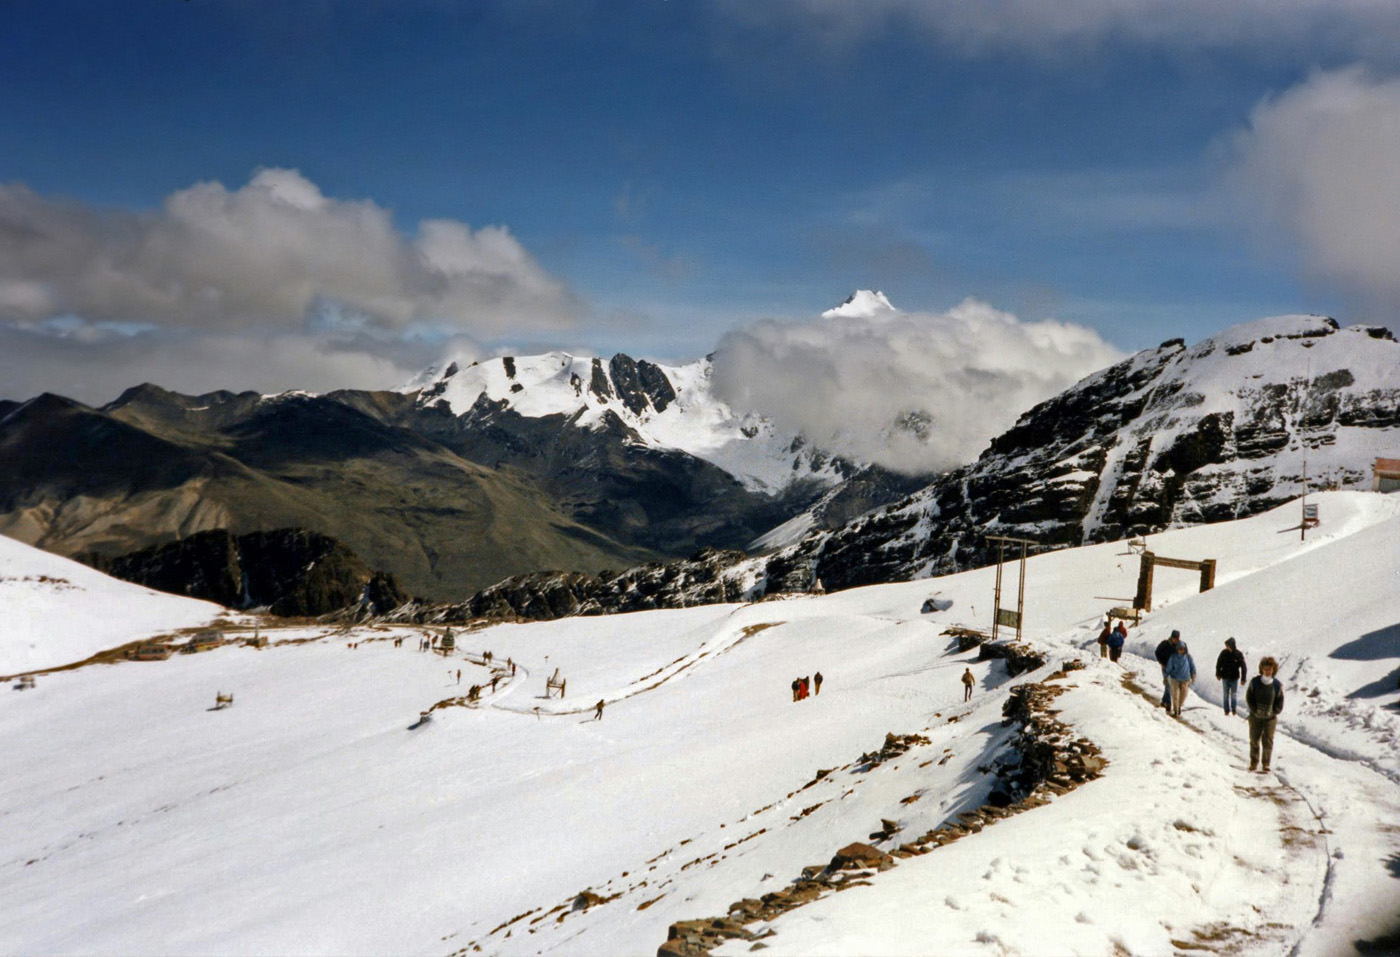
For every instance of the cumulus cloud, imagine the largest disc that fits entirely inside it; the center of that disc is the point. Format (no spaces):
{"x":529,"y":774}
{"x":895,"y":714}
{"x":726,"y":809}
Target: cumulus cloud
{"x":1065,"y":26}
{"x":911,"y":391}
{"x":1317,"y":167}
{"x":270,"y":286}
{"x":266,"y":255}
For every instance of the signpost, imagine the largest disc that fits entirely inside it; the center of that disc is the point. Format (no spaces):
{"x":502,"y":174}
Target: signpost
{"x":1005,"y":616}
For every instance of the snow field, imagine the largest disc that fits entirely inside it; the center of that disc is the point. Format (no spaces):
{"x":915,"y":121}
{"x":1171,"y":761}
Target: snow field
{"x":57,"y":611}
{"x":309,"y":819}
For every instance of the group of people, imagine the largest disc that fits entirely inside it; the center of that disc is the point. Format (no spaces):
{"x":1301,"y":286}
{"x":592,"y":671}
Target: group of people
{"x":1263,"y":697}
{"x":1111,"y":640}
{"x":801,"y":687}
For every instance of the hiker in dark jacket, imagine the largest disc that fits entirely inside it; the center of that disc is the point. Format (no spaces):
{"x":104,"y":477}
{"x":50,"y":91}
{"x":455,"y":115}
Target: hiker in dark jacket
{"x":817,"y":683}
{"x":1264,"y":700}
{"x":1104,"y":636}
{"x":1164,"y":652}
{"x":1230,"y":669}
{"x":796,"y":686}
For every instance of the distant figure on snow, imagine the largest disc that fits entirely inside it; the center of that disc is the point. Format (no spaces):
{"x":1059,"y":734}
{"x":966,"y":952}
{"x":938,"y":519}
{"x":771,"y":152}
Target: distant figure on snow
{"x":1264,"y":700}
{"x":1181,"y":672}
{"x":968,"y":681}
{"x":1104,"y":636}
{"x":1230,"y":670}
{"x":806,"y":688}
{"x":1164,"y":652}
{"x":796,"y":687}
{"x":1116,"y":640}
{"x":598,"y":710}
{"x":497,"y":677}
{"x":817,"y":687}
{"x":459,"y":675}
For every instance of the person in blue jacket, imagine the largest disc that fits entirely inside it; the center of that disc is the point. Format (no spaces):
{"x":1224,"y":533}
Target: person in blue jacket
{"x":1165,"y":649}
{"x":1180,"y":672}
{"x":1116,"y":639}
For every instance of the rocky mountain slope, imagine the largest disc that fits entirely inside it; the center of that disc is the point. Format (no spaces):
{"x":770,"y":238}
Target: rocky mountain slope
{"x":154,"y":466}
{"x":1171,"y":437}
{"x":289,"y":571}
{"x":467,"y":477}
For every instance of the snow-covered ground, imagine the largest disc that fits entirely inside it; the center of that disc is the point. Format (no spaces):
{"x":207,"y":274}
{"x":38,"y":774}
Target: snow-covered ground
{"x":310,"y":817}
{"x":55,"y":611}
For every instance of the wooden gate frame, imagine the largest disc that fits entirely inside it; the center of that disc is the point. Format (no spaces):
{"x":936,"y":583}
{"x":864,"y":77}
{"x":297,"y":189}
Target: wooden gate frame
{"x":1143,"y":600}
{"x":1006,"y":615}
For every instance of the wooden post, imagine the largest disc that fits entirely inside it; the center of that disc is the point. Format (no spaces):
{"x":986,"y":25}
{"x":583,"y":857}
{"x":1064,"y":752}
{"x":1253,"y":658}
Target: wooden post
{"x":1021,"y":593}
{"x":1208,"y":574}
{"x":996,"y":596}
{"x":1143,"y":599}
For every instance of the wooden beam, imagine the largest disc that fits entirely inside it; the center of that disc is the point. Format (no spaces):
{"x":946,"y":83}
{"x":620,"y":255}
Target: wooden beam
{"x":1179,"y":563}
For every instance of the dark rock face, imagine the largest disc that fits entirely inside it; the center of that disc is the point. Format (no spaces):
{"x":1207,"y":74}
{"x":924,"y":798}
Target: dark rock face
{"x":708,"y":577}
{"x":1129,"y":451}
{"x":291,"y":571}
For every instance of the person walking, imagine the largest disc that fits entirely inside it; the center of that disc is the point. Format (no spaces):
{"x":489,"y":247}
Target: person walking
{"x":804,"y":688}
{"x":1116,"y":640}
{"x":1103,"y":637}
{"x":1230,"y":670}
{"x":1180,"y":672}
{"x":598,"y":710}
{"x":817,"y":683}
{"x":796,"y":686}
{"x":1263,"y":700}
{"x":968,"y":681}
{"x":1165,"y":649}
{"x":459,"y":675}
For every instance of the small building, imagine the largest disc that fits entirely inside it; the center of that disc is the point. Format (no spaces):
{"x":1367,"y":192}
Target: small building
{"x":204,"y":641}
{"x":1386,"y":475}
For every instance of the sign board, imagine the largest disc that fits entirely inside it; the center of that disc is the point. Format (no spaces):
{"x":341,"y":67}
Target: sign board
{"x":1310,"y":513}
{"x":1009,"y":618}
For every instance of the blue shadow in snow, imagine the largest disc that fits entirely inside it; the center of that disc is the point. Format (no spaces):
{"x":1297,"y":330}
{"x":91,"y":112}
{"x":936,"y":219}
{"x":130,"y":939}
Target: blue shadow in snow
{"x":1382,"y":643}
{"x":1383,"y":686}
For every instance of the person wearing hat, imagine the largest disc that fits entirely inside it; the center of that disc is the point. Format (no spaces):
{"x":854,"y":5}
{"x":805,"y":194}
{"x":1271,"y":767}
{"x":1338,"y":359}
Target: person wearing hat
{"x":1181,"y":672}
{"x":1230,"y":669}
{"x":1165,"y":649}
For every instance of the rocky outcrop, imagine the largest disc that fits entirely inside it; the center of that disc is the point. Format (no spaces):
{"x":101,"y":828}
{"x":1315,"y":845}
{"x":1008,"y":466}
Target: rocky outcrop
{"x":708,"y":577}
{"x":1172,"y":436}
{"x":291,"y":572}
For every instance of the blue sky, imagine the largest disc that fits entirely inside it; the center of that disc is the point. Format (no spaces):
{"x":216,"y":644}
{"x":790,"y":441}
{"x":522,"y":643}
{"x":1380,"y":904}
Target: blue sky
{"x":661,"y":172}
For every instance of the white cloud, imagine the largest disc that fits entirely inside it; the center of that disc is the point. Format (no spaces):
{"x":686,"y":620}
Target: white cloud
{"x":845,"y":381}
{"x":1064,"y":27}
{"x":265,"y":255}
{"x":1317,"y":166}
{"x":269,"y":287}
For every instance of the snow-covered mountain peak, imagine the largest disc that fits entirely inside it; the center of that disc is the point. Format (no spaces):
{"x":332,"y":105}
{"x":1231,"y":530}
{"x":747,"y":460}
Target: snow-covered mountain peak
{"x":862,"y":304}
{"x":663,"y":406}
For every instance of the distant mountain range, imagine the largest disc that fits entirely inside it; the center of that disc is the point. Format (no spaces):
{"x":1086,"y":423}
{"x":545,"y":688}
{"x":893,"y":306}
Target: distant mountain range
{"x":465,"y":477}
{"x":472,"y":485}
{"x":1170,"y":437}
